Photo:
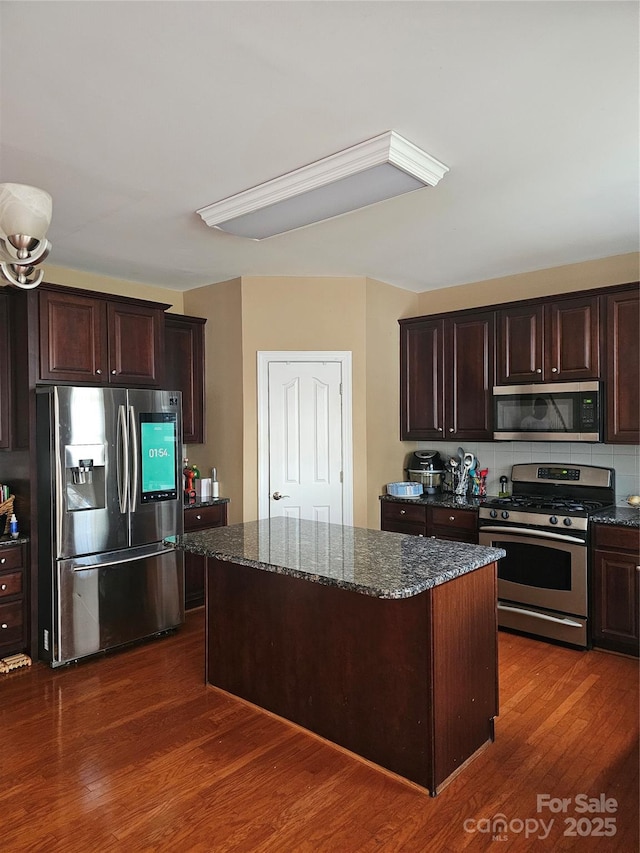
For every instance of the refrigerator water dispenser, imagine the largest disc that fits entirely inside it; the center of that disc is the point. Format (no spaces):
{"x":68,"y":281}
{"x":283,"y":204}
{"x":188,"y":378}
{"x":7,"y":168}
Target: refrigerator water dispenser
{"x":84,"y":476}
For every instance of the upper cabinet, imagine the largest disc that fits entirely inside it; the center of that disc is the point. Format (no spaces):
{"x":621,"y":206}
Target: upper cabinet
{"x":96,"y":339}
{"x":446,"y":377}
{"x":557,"y":341}
{"x":184,"y":352}
{"x":622,"y":311}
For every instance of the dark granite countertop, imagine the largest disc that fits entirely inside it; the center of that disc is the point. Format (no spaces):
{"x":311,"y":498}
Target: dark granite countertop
{"x":371,"y":562}
{"x":208,"y":502}
{"x":624,"y":516}
{"x":445,"y":500}
{"x":6,"y":540}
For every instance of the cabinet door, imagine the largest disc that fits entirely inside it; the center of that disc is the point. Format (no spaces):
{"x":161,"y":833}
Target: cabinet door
{"x":623,"y":368}
{"x":520,"y":340}
{"x":572,"y":340}
{"x":396,"y":517}
{"x":184,"y":371}
{"x":421,"y":380}
{"x":73,"y":338}
{"x":456,"y":525}
{"x":136,"y":344}
{"x":469,"y":376}
{"x":5,"y":374}
{"x":615,"y":580}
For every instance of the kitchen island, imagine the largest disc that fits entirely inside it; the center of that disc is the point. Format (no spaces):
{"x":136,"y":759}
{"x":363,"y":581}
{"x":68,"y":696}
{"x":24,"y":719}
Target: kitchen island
{"x":383,"y":643}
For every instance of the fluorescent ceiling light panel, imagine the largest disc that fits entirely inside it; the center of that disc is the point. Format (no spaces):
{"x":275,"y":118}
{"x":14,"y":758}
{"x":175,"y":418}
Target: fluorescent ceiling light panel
{"x":372,"y":171}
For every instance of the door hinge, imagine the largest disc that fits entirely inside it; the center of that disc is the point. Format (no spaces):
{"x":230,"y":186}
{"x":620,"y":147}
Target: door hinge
{"x":340,"y":389}
{"x":341,"y":479}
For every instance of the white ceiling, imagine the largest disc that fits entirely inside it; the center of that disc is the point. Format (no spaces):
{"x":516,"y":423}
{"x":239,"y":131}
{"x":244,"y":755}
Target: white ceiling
{"x":134,"y":114}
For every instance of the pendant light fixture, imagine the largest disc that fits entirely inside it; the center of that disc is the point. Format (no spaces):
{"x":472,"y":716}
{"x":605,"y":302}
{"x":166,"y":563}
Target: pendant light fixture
{"x":25,"y":216}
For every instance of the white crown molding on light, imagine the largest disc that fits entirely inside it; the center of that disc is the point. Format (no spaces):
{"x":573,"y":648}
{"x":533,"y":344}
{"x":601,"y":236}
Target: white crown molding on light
{"x":388,"y":147}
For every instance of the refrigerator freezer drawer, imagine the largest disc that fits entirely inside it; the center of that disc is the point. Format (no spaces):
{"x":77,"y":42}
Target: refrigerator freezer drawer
{"x":115,"y":601}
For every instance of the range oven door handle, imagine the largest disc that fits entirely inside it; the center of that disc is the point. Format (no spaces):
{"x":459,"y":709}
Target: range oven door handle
{"x":569,"y":623}
{"x":538,"y":534}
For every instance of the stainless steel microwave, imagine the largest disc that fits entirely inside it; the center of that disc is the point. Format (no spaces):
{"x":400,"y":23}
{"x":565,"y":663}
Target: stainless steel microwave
{"x":558,"y":411}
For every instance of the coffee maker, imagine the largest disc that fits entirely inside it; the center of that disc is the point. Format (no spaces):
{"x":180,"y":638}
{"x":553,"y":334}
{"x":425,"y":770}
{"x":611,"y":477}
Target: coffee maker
{"x":426,"y":467}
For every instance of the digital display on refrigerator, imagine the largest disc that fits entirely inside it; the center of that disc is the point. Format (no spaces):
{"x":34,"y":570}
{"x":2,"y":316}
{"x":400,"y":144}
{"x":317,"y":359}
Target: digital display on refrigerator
{"x":158,"y":446}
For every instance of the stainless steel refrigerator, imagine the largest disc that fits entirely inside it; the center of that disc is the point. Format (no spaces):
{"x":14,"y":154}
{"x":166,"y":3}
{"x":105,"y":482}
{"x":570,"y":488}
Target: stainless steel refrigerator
{"x":109,"y":493}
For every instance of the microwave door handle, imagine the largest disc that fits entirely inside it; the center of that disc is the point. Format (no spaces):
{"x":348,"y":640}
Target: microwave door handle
{"x":570,"y":623}
{"x":122,"y":460}
{"x":133,"y":436}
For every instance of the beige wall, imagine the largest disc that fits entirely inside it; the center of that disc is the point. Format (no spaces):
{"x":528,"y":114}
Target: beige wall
{"x":116,"y":286}
{"x":221,"y":304}
{"x":618,"y":269}
{"x":385,"y":451}
{"x":245,"y":315}
{"x":305,"y":314}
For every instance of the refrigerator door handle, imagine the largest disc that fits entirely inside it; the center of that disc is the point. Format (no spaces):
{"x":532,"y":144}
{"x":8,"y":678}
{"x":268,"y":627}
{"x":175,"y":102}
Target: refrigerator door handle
{"x":122,"y":464}
{"x":116,"y":558}
{"x":133,"y":485}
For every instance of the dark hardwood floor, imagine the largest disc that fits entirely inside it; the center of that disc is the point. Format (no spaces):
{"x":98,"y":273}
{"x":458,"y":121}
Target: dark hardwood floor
{"x":132,"y":752}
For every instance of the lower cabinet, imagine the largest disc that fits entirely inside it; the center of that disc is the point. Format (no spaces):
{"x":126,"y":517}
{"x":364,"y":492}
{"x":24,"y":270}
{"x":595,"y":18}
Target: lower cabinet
{"x":199,"y":518}
{"x":616,"y":588}
{"x":13,"y":623}
{"x":458,"y":525}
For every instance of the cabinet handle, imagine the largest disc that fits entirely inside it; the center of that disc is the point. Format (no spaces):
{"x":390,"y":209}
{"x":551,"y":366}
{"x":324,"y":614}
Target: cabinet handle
{"x":98,"y":371}
{"x":554,"y":369}
{"x":439,"y":429}
{"x":451,"y":429}
{"x":452,"y":518}
{"x":199,"y":517}
{"x":538,"y":370}
{"x":3,"y":560}
{"x":3,"y":587}
{"x":4,"y":625}
{"x":403,"y":512}
{"x":113,"y":373}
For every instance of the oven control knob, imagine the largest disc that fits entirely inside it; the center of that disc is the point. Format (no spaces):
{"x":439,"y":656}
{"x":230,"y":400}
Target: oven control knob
{"x":567,"y":522}
{"x":504,"y":513}
{"x":553,"y":520}
{"x":494,"y":513}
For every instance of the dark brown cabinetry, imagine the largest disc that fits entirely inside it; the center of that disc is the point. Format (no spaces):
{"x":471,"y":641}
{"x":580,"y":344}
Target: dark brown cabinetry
{"x":184,"y":351}
{"x":623,"y":367}
{"x":557,"y":341}
{"x":616,"y":588}
{"x":199,"y":518}
{"x":5,"y":375}
{"x":97,"y":340}
{"x":446,"y":376}
{"x":13,"y":622}
{"x":457,"y":525}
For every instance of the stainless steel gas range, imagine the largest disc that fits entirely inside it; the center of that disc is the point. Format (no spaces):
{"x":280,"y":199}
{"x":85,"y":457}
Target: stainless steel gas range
{"x":543,"y":527}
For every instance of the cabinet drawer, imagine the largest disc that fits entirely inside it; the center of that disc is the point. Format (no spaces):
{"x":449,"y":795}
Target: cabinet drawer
{"x":614,"y":536}
{"x":10,"y":623}
{"x":463,"y":519}
{"x":403,"y":512}
{"x":10,"y":584}
{"x":11,"y":558}
{"x":205,"y":516}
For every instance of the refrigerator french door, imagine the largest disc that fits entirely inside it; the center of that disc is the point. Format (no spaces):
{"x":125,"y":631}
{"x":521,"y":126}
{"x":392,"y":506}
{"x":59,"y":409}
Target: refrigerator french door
{"x":109,"y":495}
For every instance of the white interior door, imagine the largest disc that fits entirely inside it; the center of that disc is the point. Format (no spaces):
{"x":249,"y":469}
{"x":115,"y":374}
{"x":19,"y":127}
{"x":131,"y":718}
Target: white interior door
{"x":308,"y":461}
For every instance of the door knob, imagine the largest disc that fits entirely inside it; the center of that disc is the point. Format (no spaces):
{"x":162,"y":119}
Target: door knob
{"x":278,"y":497}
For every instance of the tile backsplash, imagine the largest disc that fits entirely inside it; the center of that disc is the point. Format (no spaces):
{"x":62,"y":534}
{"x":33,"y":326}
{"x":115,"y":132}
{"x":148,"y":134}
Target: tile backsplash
{"x":499,"y":456}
